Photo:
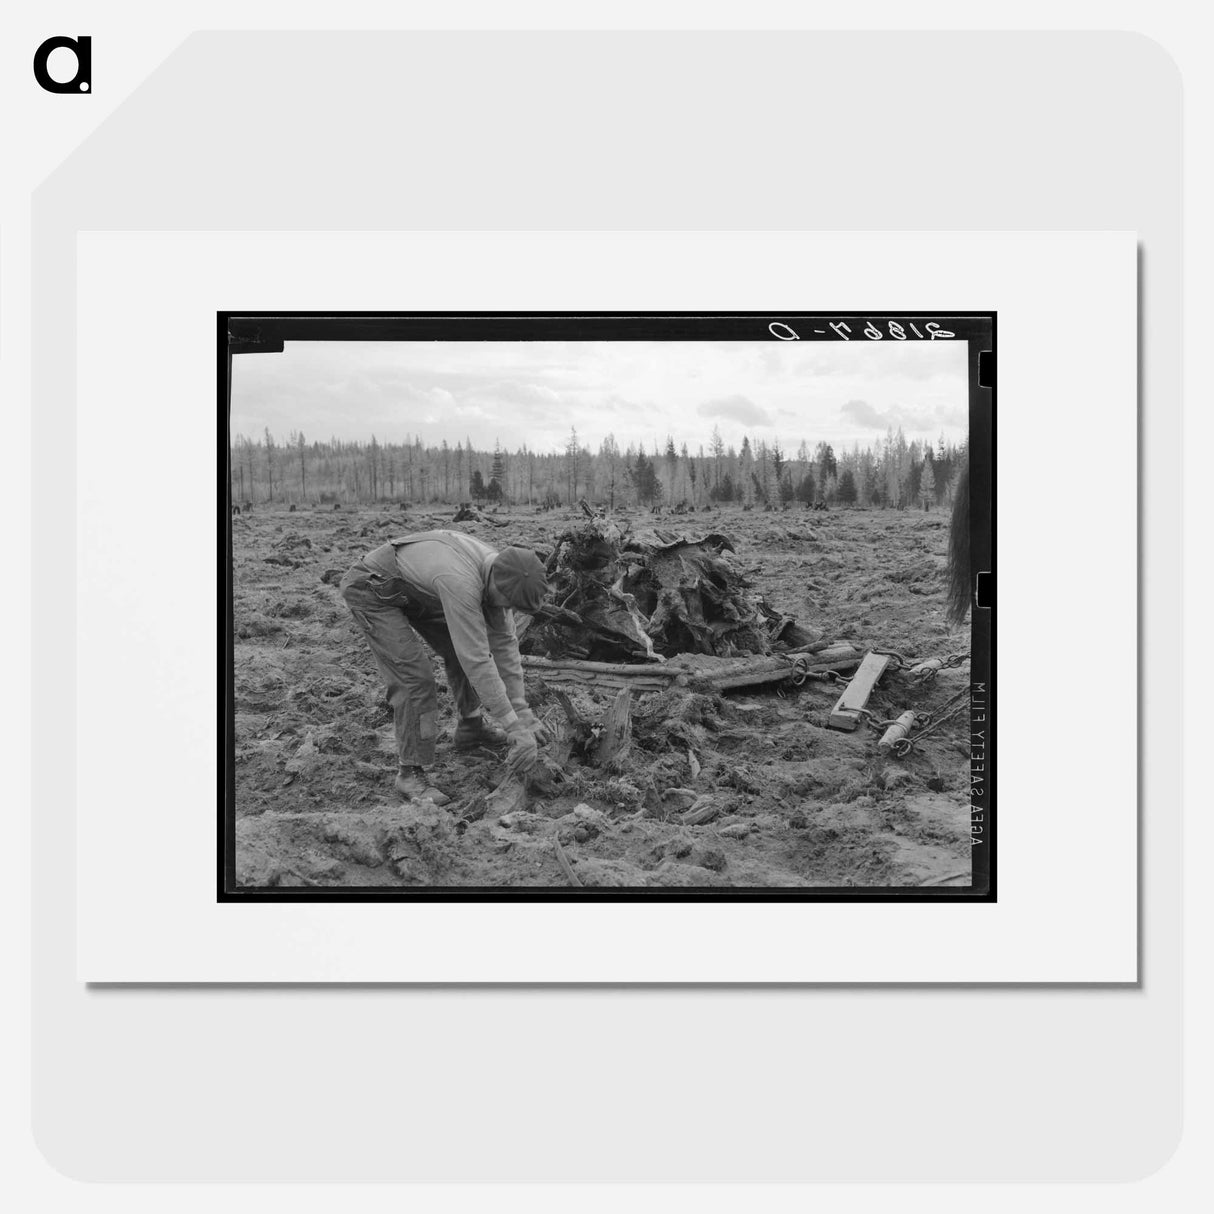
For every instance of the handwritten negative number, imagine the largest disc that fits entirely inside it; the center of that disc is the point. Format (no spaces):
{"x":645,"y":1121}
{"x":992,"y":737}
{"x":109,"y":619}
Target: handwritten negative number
{"x":786,"y":333}
{"x":897,"y":332}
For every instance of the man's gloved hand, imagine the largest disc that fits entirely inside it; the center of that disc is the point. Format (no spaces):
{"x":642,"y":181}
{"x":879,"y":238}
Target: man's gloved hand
{"x":539,"y":731}
{"x":523,"y":749}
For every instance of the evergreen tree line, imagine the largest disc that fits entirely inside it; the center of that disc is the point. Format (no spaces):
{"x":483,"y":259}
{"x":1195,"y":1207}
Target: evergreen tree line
{"x":892,"y":474}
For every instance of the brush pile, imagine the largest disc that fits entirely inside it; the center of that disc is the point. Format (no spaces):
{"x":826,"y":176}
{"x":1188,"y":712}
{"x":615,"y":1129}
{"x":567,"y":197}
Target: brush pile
{"x":623,"y":596}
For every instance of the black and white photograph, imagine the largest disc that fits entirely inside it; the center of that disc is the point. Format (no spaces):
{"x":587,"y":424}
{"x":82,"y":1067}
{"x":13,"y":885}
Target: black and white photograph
{"x":644,"y":606}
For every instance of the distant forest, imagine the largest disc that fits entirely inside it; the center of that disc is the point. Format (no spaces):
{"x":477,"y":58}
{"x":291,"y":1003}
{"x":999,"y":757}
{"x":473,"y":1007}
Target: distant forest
{"x":892,"y":474}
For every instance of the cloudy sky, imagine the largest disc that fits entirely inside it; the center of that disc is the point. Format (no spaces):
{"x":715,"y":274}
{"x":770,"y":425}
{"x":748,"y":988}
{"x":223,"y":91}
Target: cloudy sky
{"x":533,"y":392}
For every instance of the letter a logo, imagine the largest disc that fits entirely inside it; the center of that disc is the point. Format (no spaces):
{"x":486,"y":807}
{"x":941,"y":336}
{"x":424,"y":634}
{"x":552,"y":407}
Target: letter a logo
{"x":82,"y":81}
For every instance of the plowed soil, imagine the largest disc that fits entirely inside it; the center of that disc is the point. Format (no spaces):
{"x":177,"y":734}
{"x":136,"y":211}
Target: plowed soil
{"x":793,"y":804}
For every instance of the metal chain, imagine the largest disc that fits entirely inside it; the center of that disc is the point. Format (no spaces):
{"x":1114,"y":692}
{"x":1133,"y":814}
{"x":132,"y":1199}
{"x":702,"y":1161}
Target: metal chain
{"x":955,"y":702}
{"x":929,"y":723}
{"x":922,"y":720}
{"x":927,"y":669}
{"x":925,"y":723}
{"x":899,"y":661}
{"x":801,"y":673}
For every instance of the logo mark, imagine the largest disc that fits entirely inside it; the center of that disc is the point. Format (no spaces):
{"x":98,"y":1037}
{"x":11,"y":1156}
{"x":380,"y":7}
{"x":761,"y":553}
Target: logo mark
{"x":82,"y":48}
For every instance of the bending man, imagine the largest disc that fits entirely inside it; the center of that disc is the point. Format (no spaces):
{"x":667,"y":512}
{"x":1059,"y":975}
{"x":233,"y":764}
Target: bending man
{"x":455,"y":593}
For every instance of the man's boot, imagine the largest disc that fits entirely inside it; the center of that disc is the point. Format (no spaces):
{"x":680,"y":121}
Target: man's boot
{"x":411,"y":783}
{"x":473,"y":733}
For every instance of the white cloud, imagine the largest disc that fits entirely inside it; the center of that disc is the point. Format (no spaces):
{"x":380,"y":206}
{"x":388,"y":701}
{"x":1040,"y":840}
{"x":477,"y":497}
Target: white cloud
{"x":736,"y":408}
{"x":914,"y":421}
{"x":536,"y":392}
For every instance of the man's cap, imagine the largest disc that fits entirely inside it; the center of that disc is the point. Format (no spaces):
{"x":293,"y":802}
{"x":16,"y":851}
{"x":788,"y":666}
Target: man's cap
{"x":518,"y":576}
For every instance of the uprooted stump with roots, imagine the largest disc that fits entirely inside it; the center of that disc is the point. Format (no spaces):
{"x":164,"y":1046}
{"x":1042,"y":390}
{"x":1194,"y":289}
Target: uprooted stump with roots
{"x":620,"y":596}
{"x":579,"y":744}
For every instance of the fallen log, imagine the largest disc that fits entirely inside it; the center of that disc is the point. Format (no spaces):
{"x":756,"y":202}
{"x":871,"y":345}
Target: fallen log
{"x":837,"y":657}
{"x":812,"y":647}
{"x":721,"y":674}
{"x":609,"y":675}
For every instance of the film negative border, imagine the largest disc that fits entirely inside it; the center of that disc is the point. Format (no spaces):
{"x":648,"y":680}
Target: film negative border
{"x":253,"y":332}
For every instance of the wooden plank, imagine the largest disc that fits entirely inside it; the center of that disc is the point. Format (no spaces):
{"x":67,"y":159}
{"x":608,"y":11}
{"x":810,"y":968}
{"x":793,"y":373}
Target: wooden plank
{"x":846,"y":713}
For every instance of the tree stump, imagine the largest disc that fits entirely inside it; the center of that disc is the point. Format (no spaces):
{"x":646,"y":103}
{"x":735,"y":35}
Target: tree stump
{"x":616,"y":737}
{"x":570,"y":734}
{"x":597,"y":746}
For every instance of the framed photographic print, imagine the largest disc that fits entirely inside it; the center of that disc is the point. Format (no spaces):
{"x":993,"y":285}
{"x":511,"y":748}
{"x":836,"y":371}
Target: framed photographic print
{"x":584,"y":615}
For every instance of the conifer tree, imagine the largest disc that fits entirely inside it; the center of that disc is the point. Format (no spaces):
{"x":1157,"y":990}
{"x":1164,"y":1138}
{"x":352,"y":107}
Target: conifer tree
{"x":572,"y":453}
{"x":847,"y":487}
{"x":746,"y":471}
{"x":927,"y":483}
{"x":717,"y":447}
{"x":270,"y":460}
{"x":806,"y":488}
{"x":609,"y":454}
{"x":497,"y":474}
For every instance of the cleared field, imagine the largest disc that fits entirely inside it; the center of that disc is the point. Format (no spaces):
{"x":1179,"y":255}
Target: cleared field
{"x":794,"y":804}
